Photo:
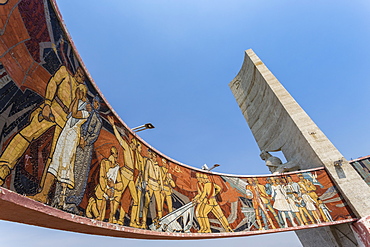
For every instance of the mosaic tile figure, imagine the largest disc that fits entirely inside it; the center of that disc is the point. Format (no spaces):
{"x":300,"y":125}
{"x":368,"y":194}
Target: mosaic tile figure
{"x":153,"y":187}
{"x":89,"y":134}
{"x":207,"y":204}
{"x":168,"y":185}
{"x":109,"y":189}
{"x":127,"y":175}
{"x":60,"y":92}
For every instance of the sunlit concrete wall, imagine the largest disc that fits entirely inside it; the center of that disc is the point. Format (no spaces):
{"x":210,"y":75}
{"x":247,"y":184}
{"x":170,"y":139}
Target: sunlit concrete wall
{"x":278,"y":123}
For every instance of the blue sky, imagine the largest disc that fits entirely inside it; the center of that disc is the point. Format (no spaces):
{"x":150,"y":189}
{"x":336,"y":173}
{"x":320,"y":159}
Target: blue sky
{"x":170,"y":62}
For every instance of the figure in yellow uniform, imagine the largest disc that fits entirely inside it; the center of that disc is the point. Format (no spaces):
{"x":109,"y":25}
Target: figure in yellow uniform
{"x":127,"y":174}
{"x":259,"y":201}
{"x":168,"y":184}
{"x":209,"y":204}
{"x":60,"y":91}
{"x":153,"y":183}
{"x":139,"y":179}
{"x":265,"y":194}
{"x":110,"y":183}
{"x":199,"y":204}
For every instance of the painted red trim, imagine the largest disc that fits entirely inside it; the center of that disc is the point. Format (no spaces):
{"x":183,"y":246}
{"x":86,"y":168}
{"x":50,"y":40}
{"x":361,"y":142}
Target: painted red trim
{"x":361,"y":158}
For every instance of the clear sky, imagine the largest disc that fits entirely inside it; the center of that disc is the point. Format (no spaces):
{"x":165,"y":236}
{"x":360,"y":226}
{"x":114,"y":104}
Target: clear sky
{"x":169,"y":62}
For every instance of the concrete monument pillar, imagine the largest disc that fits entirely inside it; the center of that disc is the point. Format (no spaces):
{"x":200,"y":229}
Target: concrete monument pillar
{"x":278,"y":123}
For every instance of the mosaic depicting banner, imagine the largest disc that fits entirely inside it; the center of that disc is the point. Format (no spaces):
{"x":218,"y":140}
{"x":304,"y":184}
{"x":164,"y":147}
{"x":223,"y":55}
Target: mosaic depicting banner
{"x":61,"y":144}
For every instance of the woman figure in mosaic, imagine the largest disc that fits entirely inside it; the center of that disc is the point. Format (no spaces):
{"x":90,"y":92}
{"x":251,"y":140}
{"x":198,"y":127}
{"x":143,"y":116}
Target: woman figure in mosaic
{"x":62,"y":164}
{"x":280,"y":202}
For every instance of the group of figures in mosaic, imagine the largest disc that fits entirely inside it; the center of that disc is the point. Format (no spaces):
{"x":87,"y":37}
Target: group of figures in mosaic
{"x":76,"y":123}
{"x":142,"y":176}
{"x":287,"y":201}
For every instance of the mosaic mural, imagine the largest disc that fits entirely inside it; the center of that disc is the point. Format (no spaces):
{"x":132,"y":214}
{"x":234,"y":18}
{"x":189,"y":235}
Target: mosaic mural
{"x":61,"y":145}
{"x":362,"y":166}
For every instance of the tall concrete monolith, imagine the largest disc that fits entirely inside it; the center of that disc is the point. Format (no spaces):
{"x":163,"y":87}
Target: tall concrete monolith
{"x":278,"y":123}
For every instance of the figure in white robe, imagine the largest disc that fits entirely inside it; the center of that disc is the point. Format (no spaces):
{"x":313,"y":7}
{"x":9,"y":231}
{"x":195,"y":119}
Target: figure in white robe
{"x":310,"y":205}
{"x":280,"y":202}
{"x":62,"y":164}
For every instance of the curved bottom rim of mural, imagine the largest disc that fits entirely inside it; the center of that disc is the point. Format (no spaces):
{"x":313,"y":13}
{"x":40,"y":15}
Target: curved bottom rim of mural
{"x":21,"y":209}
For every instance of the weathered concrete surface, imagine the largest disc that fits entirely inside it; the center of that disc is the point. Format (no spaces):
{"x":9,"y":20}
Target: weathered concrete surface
{"x":279,"y":123}
{"x":338,"y":236}
{"x":362,"y":230}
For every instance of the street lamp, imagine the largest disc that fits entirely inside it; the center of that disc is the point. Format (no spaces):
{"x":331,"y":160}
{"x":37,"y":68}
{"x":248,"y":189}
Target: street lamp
{"x":143,"y":127}
{"x":205,"y":167}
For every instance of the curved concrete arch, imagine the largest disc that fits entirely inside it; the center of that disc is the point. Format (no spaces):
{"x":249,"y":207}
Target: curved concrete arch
{"x":69,"y":162}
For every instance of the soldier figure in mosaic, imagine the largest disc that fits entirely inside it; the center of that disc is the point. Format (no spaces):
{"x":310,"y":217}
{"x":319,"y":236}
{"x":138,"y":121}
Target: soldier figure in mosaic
{"x":168,"y":185}
{"x":199,"y":204}
{"x":308,"y":188}
{"x":324,"y":210}
{"x":127,"y":175}
{"x":261,"y":201}
{"x":60,"y":92}
{"x":139,"y":180}
{"x":153,"y":184}
{"x":208,"y":203}
{"x":109,"y":186}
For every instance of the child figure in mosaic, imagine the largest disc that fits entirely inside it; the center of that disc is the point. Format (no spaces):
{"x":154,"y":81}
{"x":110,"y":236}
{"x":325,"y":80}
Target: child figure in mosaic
{"x":310,"y":205}
{"x":289,"y":188}
{"x":300,"y":203}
